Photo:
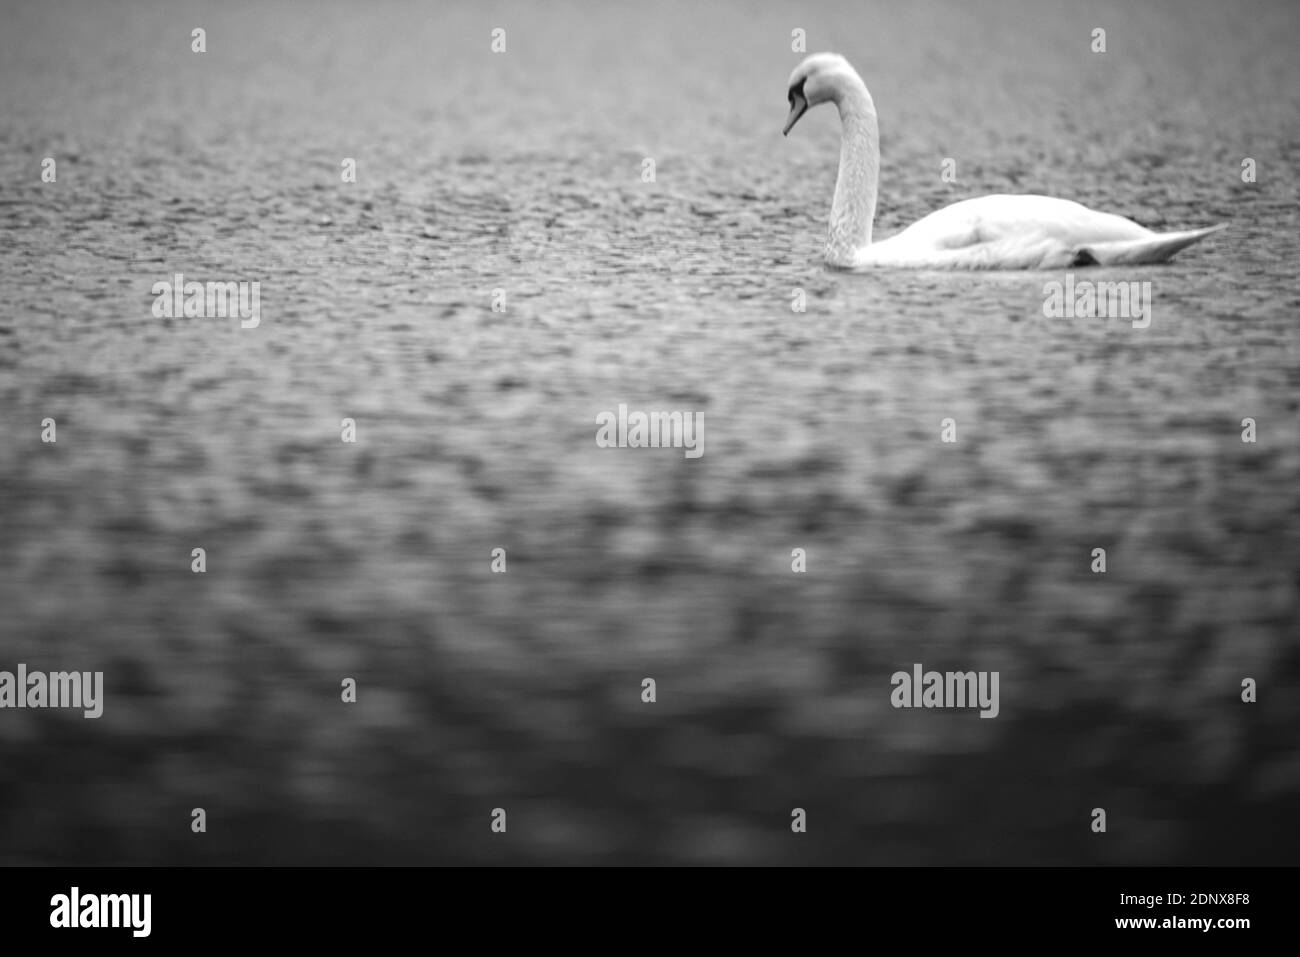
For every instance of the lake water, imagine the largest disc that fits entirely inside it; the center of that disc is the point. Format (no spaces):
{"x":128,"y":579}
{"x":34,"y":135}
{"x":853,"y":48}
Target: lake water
{"x":523,"y":172}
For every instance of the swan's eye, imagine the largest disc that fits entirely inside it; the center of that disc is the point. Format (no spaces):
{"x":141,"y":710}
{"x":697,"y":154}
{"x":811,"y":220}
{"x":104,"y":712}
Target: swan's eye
{"x":796,"y":90}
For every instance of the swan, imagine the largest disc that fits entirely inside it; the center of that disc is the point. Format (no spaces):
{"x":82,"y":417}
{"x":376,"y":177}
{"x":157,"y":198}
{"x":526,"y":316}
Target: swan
{"x":990,"y":232}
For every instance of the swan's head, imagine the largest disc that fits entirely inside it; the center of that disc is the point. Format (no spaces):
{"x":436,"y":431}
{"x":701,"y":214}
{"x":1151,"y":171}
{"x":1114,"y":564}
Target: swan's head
{"x":820,"y":78}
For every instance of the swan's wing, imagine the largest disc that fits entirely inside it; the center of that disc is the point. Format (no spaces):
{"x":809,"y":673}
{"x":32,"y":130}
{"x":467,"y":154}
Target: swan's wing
{"x":989,"y":219}
{"x":1024,"y":232}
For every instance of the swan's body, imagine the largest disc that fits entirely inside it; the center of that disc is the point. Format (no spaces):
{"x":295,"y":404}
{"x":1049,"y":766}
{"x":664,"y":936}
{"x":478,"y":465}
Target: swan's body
{"x":991,"y":232}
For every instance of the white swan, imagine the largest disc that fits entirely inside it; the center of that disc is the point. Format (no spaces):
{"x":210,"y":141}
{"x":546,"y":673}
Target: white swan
{"x":991,"y":232}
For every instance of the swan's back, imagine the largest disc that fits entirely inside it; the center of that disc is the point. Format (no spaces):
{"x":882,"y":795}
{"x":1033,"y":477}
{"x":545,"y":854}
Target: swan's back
{"x":1023,"y":232}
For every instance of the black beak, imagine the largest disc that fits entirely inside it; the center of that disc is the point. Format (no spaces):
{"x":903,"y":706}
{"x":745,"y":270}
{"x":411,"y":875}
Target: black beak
{"x":798,"y":105}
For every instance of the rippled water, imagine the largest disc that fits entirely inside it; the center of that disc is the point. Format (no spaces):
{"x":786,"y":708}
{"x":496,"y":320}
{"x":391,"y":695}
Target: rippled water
{"x":523,"y":172}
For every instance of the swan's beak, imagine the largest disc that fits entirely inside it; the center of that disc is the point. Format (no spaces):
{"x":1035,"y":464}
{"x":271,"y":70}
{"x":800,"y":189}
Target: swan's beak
{"x":797,"y":107}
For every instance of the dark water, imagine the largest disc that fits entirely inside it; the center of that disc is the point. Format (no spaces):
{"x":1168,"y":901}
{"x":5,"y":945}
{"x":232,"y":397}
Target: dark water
{"x":522,"y":172}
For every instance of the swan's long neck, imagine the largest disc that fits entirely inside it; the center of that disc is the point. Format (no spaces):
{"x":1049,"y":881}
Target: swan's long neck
{"x":854,"y":206}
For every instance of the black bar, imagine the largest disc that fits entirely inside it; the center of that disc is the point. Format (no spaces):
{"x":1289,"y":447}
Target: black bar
{"x":330,"y":906}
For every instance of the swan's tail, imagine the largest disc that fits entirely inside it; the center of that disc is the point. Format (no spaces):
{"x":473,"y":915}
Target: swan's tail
{"x":1155,"y":248}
